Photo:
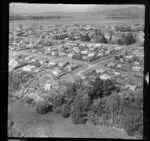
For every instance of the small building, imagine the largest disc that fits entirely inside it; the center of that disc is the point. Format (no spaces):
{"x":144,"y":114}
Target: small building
{"x":136,"y":68}
{"x":100,"y":71}
{"x":28,"y":68}
{"x":54,"y":53}
{"x":130,"y":87}
{"x":84,"y":52}
{"x":61,"y":53}
{"x":136,"y":63}
{"x":117,"y":48}
{"x":111,"y":65}
{"x":98,"y":45}
{"x":105,"y":77}
{"x":52,"y":63}
{"x":62,"y":64}
{"x":116,"y":73}
{"x":76,"y":49}
{"x":84,"y":57}
{"x":119,"y":66}
{"x":56,"y":72}
{"x":47,"y":87}
{"x":91,"y":54}
{"x":129,"y":57}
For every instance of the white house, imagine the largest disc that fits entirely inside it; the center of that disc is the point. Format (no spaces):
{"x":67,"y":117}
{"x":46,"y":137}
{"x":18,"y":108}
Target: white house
{"x":84,"y":52}
{"x":100,"y":70}
{"x":56,"y":72}
{"x":52,"y":63}
{"x":70,"y":55}
{"x":105,"y":76}
{"x":136,"y":68}
{"x":28,"y":68}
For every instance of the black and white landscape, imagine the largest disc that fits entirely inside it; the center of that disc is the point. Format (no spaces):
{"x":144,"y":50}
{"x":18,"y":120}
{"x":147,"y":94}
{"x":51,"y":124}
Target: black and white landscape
{"x":77,"y":72}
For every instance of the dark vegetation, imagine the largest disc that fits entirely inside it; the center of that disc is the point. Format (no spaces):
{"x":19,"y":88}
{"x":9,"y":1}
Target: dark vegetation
{"x":102,"y":103}
{"x":43,"y":107}
{"x":99,"y":101}
{"x":17,"y":79}
{"x":127,"y":39}
{"x":36,"y":17}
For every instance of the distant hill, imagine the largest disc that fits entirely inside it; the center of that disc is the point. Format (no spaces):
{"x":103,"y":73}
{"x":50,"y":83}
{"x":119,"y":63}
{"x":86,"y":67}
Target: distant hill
{"x":131,"y":12}
{"x":126,"y":12}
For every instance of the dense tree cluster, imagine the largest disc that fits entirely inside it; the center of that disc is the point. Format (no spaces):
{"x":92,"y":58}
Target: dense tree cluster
{"x":16,"y":79}
{"x":104,"y":104}
{"x":127,"y":39}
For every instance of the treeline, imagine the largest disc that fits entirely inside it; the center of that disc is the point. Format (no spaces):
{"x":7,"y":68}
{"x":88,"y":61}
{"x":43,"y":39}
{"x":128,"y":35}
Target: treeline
{"x":100,"y":102}
{"x":36,"y":17}
{"x":124,"y":16}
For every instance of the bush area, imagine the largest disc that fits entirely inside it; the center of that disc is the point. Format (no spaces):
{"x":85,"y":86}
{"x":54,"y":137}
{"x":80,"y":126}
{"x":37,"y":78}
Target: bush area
{"x":127,"y":39}
{"x":16,"y":79}
{"x":102,"y":103}
{"x":43,"y":107}
{"x":99,"y":101}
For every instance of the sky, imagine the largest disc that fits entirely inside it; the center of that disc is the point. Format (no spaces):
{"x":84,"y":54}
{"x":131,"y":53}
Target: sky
{"x":38,"y":8}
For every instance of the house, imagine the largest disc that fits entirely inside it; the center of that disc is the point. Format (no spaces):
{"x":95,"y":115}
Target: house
{"x":111,"y":65}
{"x":82,"y":45}
{"x":99,"y":54}
{"x":136,"y":68}
{"x":107,"y":52}
{"x":84,"y":52}
{"x":47,"y":87}
{"x":130,"y":87}
{"x":91,"y":54}
{"x":62,"y":64}
{"x":136,"y":63}
{"x":119,"y":66}
{"x":70,"y":55}
{"x":28,"y":68}
{"x":116,"y":73}
{"x":117,"y":48}
{"x":54,"y":53}
{"x":100,"y":70}
{"x":12,"y":64}
{"x":105,"y":77}
{"x":56,"y":72}
{"x":61,"y":53}
{"x":98,"y":45}
{"x":84,"y":57}
{"x":89,"y":45}
{"x":129,"y":57}
{"x":52,"y":63}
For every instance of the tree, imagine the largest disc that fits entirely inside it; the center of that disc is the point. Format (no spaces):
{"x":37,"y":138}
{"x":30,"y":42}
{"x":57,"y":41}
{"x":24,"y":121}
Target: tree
{"x":129,"y":39}
{"x":97,"y":89}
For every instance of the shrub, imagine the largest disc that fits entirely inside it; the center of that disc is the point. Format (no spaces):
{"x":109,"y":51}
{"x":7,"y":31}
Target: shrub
{"x":28,"y":100}
{"x":58,"y":100}
{"x":121,"y":41}
{"x":16,"y":79}
{"x":132,"y":120}
{"x":65,"y":110}
{"x":43,"y":107}
{"x":79,"y":120}
{"x":80,"y":107}
{"x":129,"y":39}
{"x":102,"y":88}
{"x":85,"y":38}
